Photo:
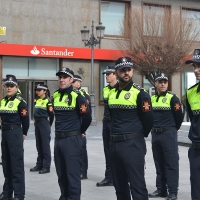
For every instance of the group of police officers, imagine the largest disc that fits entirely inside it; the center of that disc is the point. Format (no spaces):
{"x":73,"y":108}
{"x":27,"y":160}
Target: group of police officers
{"x":130,"y":114}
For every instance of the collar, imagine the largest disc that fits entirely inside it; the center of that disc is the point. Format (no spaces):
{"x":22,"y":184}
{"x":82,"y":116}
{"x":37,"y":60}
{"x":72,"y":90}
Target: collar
{"x":66,"y":90}
{"x":11,"y":98}
{"x":111,"y":87}
{"x":127,"y":88}
{"x":162,"y":94}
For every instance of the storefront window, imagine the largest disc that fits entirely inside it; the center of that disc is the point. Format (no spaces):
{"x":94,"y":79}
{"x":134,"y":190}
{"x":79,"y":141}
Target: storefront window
{"x":30,"y":67}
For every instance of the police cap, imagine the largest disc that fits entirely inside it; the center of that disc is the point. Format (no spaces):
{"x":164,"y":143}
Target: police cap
{"x":109,"y":70}
{"x":67,"y":71}
{"x":41,"y":87}
{"x":123,"y":62}
{"x":10,"y":80}
{"x":195,"y":57}
{"x":161,"y":76}
{"x":77,"y":78}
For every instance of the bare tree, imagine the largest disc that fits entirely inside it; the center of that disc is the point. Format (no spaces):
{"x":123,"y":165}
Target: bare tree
{"x":158,"y":41}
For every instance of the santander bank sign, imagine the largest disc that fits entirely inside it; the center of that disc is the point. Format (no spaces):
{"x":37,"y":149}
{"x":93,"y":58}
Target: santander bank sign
{"x":47,"y":52}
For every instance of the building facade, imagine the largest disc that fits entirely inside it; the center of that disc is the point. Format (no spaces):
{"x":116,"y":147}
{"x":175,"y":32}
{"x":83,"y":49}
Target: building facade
{"x":37,"y":37}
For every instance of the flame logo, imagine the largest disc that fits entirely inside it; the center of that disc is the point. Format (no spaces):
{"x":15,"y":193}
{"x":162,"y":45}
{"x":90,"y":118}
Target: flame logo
{"x":35,"y":51}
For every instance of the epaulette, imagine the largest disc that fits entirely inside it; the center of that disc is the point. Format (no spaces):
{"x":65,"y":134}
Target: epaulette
{"x":193,"y":86}
{"x":170,"y":92}
{"x":83,"y":90}
{"x":138,"y":86}
{"x":19,"y":97}
{"x":76,"y":90}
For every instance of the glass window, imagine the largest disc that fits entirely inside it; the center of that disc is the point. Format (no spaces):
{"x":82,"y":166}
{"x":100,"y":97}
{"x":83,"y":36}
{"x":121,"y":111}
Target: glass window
{"x":153,"y":17}
{"x":15,"y":65}
{"x":43,"y":67}
{"x":194,"y":15}
{"x":30,"y":67}
{"x":112,"y":16}
{"x":102,"y":78}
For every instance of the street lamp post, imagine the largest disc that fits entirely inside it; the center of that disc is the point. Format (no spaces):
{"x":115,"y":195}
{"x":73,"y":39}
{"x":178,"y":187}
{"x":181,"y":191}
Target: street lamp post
{"x":91,"y":42}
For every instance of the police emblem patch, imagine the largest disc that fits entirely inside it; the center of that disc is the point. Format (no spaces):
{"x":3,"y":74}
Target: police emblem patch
{"x":146,"y":106}
{"x":10,"y":78}
{"x":124,"y":59}
{"x":66,"y":100}
{"x":164,"y":99}
{"x":42,"y":103}
{"x":10,"y":105}
{"x":177,"y":106}
{"x":83,"y":108}
{"x":127,"y":95}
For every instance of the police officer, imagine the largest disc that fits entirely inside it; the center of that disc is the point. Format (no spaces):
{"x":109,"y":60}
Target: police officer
{"x":111,"y":79}
{"x":193,"y":107}
{"x":84,"y":157}
{"x":167,"y":121}
{"x":44,"y":116}
{"x":131,"y":121}
{"x":15,"y":125}
{"x":72,"y":118}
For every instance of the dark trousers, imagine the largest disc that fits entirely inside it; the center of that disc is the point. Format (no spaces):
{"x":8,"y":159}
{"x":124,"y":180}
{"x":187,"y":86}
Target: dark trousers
{"x":166,"y":159}
{"x":67,"y":155}
{"x":84,"y":157}
{"x":127,"y":164}
{"x":194,"y":158}
{"x":13,"y":163}
{"x":106,"y":141}
{"x":43,"y":138}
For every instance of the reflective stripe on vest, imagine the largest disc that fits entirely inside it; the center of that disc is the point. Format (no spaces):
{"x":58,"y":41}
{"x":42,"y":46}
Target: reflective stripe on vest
{"x":163,"y":102}
{"x":11,"y":107}
{"x":194,"y":100}
{"x":64,"y":103}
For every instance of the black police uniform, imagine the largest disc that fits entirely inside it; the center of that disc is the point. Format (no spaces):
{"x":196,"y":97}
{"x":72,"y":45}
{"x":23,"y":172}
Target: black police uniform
{"x":167,"y":121}
{"x":108,"y":180}
{"x":72,"y":118}
{"x":15,"y":124}
{"x":84,"y":155}
{"x":193,"y":108}
{"x":131,"y":121}
{"x":43,"y":116}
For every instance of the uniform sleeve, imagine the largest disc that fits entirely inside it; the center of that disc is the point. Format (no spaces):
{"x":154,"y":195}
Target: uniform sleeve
{"x":145,"y":111}
{"x":177,"y":111}
{"x":50,"y":112}
{"x":83,"y":112}
{"x":189,"y":109}
{"x":24,"y":116}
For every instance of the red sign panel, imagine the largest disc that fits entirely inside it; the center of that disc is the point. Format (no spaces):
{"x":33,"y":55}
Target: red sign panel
{"x":57,"y":52}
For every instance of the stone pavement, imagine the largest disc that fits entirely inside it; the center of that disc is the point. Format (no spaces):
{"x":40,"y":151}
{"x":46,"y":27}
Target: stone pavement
{"x":45,"y":186}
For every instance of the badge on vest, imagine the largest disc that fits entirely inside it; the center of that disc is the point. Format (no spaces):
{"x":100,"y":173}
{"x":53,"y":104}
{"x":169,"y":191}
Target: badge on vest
{"x":42,"y":103}
{"x":66,"y":100}
{"x":127,"y":95}
{"x":10,"y":105}
{"x":164,"y":99}
{"x":146,"y":106}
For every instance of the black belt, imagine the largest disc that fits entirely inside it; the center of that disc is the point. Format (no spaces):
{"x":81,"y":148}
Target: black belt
{"x":162,"y":129}
{"x":67,"y":134}
{"x":10,"y":127}
{"x":40,"y":119}
{"x":196,"y":145}
{"x":117,"y":138}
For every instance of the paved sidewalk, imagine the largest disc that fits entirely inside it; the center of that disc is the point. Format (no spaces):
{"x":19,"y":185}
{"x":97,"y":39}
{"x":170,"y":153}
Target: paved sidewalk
{"x":45,"y":186}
